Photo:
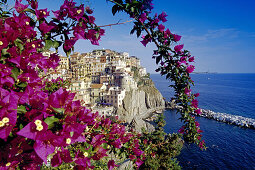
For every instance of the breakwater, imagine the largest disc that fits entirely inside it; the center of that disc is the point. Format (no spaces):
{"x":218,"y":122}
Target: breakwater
{"x":221,"y":117}
{"x":229,"y":118}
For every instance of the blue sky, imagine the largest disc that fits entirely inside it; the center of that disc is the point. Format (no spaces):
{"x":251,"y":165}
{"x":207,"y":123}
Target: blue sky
{"x":219,"y":33}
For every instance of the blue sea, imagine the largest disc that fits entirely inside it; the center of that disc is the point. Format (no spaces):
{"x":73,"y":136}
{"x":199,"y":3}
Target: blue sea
{"x":229,"y":146}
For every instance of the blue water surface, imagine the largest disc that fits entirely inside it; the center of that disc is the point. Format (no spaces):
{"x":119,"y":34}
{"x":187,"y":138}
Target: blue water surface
{"x":229,"y":146}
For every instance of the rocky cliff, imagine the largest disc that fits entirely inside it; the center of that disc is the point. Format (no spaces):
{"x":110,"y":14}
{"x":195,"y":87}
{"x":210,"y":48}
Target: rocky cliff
{"x":141,"y":102}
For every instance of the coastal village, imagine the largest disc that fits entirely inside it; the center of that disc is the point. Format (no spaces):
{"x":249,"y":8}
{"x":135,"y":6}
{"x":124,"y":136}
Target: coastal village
{"x":100,"y":78}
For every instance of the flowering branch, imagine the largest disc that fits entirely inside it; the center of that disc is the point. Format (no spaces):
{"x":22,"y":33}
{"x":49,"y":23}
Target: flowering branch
{"x":174,"y":63}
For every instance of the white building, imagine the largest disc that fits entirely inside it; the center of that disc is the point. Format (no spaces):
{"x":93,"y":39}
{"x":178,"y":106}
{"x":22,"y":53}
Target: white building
{"x":83,"y":95}
{"x":103,"y":111}
{"x":115,"y":96}
{"x":142,"y":71}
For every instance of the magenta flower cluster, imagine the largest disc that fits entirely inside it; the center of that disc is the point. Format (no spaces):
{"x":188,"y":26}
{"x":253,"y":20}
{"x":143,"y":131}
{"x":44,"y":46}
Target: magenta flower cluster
{"x":37,"y":126}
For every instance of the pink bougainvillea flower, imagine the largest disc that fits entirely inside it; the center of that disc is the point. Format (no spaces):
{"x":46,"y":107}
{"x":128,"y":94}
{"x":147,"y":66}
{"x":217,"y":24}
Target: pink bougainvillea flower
{"x":137,"y":151}
{"x":3,"y":43}
{"x":79,"y":31}
{"x":145,"y":40}
{"x":199,"y":130}
{"x":176,"y":37}
{"x":98,"y":140}
{"x":9,"y":101}
{"x":161,"y":28}
{"x":154,"y":22}
{"x":143,"y":17}
{"x":61,"y":156}
{"x":187,"y":91}
{"x":92,"y":35}
{"x":79,"y":12}
{"x":162,"y":17}
{"x":60,"y":14}
{"x":138,"y":162}
{"x":132,"y":157}
{"x":194,"y":103}
{"x":178,"y":48}
{"x":111,"y":164}
{"x":34,"y":4}
{"x":117,"y":144}
{"x":181,"y":130}
{"x":16,"y":60}
{"x":196,"y":94}
{"x":101,"y":152}
{"x":53,"y":61}
{"x":191,"y":59}
{"x":42,"y":13}
{"x":183,"y":58}
{"x":88,"y":10}
{"x":201,"y":144}
{"x":167,"y":33}
{"x":8,"y":121}
{"x":190,"y":69}
{"x":91,"y":19}
{"x":19,"y":6}
{"x":198,"y":111}
{"x":197,"y":124}
{"x":69,"y":44}
{"x":83,"y":162}
{"x":45,"y":28}
{"x":61,"y":97}
{"x":33,"y":130}
{"x":43,"y":149}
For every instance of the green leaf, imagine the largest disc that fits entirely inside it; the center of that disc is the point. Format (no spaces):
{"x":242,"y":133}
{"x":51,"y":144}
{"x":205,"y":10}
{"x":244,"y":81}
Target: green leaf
{"x":4,"y":51}
{"x":138,"y":32}
{"x":133,"y":31}
{"x":97,"y":35}
{"x":22,"y":84}
{"x":48,"y":44}
{"x":158,"y":59}
{"x":71,"y":134}
{"x":56,"y":44}
{"x":21,"y":109}
{"x":50,"y":121}
{"x":115,"y":9}
{"x":19,"y":44}
{"x":132,"y":9}
{"x":15,"y":73}
{"x":29,"y":10}
{"x":59,"y":110}
{"x":21,"y":126}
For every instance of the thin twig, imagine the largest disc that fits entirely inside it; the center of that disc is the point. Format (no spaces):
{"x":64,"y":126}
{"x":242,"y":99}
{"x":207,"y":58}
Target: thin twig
{"x":119,"y":23}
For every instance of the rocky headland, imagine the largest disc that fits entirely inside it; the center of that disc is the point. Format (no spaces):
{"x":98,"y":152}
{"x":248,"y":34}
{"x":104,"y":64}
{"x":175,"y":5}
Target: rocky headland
{"x":140,"y":104}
